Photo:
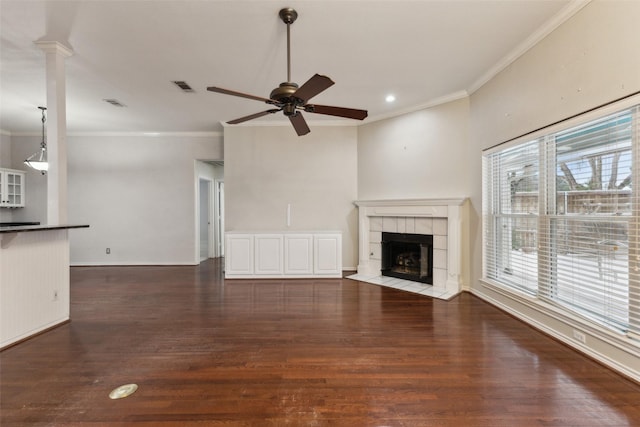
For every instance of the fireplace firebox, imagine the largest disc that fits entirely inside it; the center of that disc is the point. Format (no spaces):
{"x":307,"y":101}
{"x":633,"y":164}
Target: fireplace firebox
{"x":408,"y":256}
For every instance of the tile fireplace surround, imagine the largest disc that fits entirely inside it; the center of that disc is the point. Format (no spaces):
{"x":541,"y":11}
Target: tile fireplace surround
{"x":443,"y":218}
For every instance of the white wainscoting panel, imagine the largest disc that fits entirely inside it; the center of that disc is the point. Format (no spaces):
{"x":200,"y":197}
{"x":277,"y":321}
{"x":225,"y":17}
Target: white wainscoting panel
{"x":268,"y":254}
{"x":327,"y":254}
{"x":34,"y":283}
{"x":287,"y":254}
{"x":239,"y":254}
{"x":297,"y":254}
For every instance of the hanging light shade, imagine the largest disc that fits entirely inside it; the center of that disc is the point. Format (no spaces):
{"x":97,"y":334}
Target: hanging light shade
{"x":38,"y":160}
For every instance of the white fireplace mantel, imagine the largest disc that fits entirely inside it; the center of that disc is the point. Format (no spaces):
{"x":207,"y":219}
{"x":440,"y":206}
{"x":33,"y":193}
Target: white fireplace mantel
{"x":453,"y":210}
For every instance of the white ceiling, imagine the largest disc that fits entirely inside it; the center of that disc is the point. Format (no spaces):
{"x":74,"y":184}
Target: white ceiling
{"x":131,"y":50}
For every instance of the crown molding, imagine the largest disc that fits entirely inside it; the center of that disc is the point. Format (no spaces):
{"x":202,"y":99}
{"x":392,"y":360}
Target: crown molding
{"x":547,"y":28}
{"x":49,"y":46}
{"x":461,"y":94}
{"x":283,"y":123}
{"x":150,"y":134}
{"x":344,"y":123}
{"x":136,"y":134}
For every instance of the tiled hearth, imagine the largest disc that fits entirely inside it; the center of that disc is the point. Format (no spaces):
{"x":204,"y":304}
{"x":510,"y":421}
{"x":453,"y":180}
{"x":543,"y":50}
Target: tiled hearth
{"x":442,"y":218}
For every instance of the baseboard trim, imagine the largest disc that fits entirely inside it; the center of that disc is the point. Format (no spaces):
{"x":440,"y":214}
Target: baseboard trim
{"x":43,"y":331}
{"x":129,"y":264}
{"x":603,"y":359}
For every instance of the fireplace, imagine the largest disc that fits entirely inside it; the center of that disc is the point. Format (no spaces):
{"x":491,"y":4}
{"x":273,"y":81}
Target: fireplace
{"x":408,"y":256}
{"x":444,"y":219}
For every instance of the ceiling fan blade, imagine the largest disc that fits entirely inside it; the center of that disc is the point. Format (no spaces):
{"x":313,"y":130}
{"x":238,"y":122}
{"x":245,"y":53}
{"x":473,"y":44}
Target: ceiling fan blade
{"x":253,"y":116}
{"x":312,"y":87}
{"x":350,"y":113}
{"x":299,"y":123}
{"x":240,"y":94}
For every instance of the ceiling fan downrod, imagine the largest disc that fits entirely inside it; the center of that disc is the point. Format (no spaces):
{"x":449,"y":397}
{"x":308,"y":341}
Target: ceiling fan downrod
{"x":288,"y":16}
{"x":292,"y":99}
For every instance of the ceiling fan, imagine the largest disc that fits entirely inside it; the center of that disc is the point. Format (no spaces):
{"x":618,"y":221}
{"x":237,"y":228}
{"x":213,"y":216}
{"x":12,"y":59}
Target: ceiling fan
{"x":292,"y":99}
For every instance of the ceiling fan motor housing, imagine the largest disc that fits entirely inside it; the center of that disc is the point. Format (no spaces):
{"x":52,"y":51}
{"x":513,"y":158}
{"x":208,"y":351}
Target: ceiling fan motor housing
{"x":283,"y":94}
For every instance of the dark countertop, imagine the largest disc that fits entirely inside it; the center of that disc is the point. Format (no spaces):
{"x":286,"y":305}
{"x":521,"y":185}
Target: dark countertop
{"x":18,"y":223}
{"x":24,"y":228}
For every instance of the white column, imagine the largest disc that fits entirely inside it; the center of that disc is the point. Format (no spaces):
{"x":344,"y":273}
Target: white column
{"x":454,"y":250}
{"x":56,"y":53}
{"x":364,"y":247}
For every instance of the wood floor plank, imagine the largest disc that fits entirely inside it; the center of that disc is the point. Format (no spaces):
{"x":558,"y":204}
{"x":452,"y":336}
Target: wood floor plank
{"x":333,"y":352}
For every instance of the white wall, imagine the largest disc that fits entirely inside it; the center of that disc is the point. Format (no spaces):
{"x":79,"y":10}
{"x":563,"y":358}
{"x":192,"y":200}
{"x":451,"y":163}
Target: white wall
{"x":423,"y":154}
{"x":5,"y":162}
{"x":137,"y":193}
{"x":589,"y":60}
{"x":5,"y":150}
{"x":266,"y":168}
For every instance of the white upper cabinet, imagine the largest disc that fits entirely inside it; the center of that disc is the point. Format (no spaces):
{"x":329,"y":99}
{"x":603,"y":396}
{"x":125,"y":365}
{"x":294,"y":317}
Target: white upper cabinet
{"x":12,"y":188}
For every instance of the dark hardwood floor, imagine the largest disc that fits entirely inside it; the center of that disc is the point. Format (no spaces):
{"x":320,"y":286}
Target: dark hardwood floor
{"x":326,"y":352}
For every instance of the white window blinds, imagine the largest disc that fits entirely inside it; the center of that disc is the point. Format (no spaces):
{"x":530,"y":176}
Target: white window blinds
{"x":511,"y":216}
{"x":561,"y":219}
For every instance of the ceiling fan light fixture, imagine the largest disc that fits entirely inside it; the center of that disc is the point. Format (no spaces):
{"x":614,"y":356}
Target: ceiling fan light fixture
{"x":292,"y":99}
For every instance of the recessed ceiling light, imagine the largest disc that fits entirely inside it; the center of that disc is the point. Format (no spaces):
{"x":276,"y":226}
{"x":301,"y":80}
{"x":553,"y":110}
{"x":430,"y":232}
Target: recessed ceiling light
{"x":390,"y":98}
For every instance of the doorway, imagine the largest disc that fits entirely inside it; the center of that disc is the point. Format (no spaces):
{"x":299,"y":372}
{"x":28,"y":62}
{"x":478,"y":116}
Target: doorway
{"x":208,"y":210}
{"x":204,"y":221}
{"x":219,"y":218}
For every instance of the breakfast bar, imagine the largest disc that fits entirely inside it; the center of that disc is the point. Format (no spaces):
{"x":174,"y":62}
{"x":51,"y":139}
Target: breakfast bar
{"x":34,"y":280}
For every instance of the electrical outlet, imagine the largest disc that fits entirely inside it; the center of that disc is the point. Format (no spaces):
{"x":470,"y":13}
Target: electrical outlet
{"x":579,"y":336}
{"x":108,"y":251}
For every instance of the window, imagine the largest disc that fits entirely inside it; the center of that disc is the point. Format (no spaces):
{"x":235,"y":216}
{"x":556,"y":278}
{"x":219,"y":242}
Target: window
{"x":560,"y":219}
{"x":514,"y":207}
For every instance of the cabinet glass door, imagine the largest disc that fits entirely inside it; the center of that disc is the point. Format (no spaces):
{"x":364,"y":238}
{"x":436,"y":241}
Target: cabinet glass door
{"x":11,"y":189}
{"x":14,"y":189}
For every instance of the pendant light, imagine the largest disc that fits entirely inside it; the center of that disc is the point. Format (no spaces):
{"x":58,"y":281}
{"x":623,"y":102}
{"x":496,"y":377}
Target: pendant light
{"x":38,"y":160}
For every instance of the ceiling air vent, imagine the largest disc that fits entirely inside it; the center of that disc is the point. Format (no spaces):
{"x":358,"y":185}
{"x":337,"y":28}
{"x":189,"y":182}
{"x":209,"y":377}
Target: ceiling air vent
{"x":114,"y":102}
{"x":183,"y":86}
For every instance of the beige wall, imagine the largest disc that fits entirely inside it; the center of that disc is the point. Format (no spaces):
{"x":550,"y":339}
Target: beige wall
{"x":270,"y":167}
{"x":138,"y":194}
{"x":5,"y":150}
{"x":418,"y":155}
{"x":5,"y":162}
{"x":589,"y":60}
